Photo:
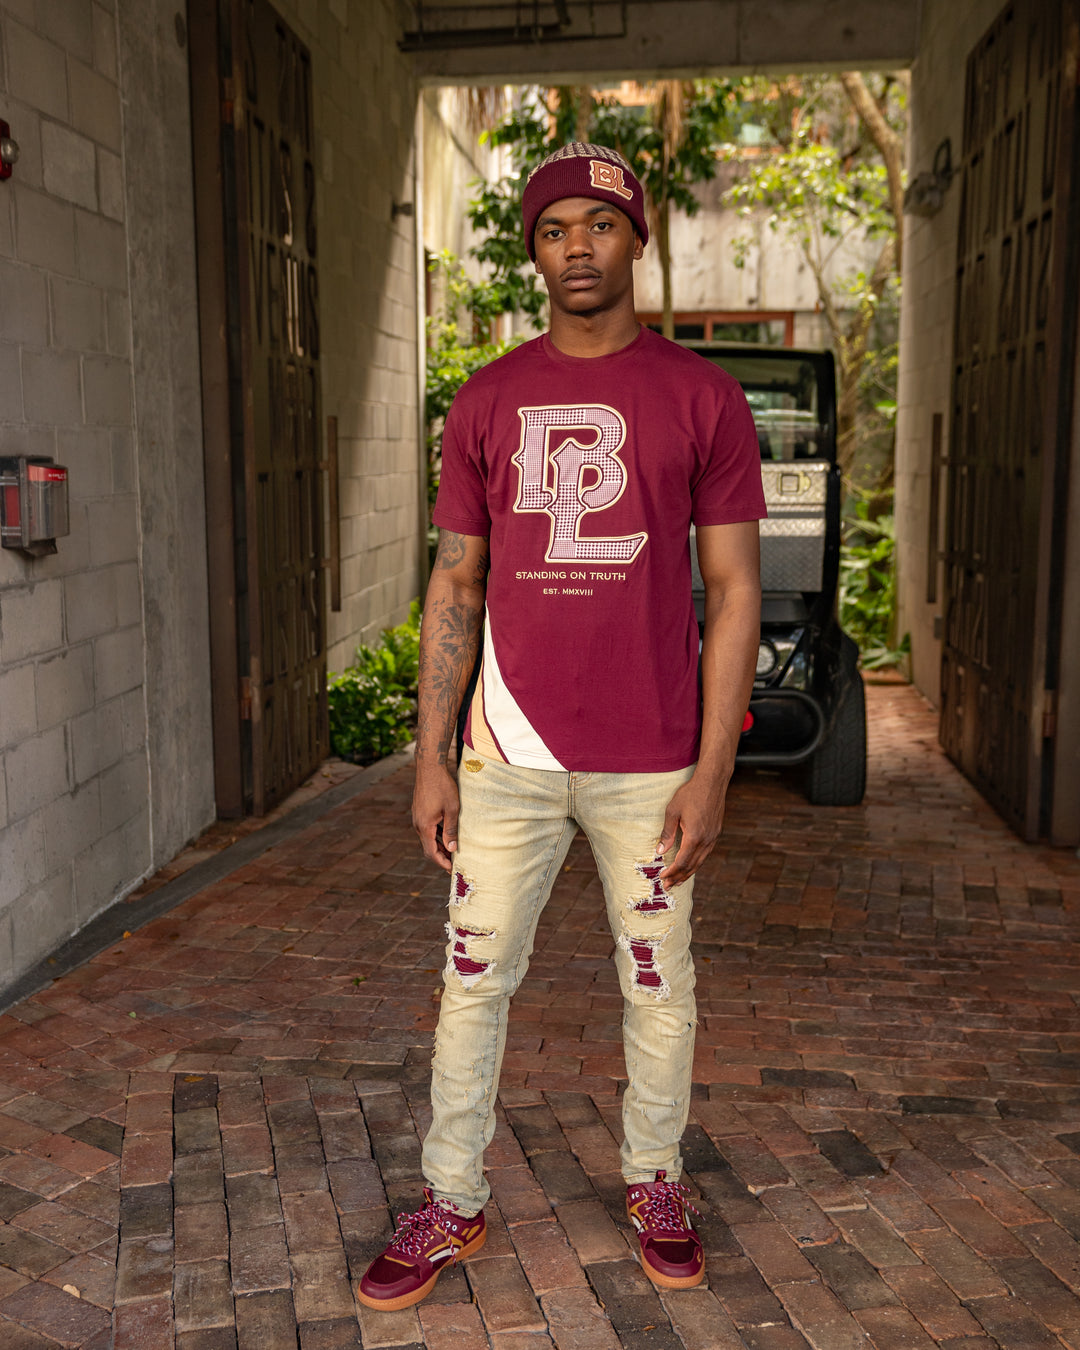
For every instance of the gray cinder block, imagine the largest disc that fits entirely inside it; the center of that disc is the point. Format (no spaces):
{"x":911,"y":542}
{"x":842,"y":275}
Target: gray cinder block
{"x":30,"y":621}
{"x":36,"y":772}
{"x":118,"y":662}
{"x":69,"y":165}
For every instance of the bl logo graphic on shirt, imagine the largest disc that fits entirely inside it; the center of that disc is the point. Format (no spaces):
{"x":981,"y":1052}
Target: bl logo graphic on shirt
{"x":554,"y":481}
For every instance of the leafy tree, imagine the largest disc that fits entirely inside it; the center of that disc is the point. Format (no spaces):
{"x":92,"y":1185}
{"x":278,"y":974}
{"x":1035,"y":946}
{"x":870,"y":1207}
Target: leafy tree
{"x":833,"y":177}
{"x":530,"y":132}
{"x":670,"y":143}
{"x":458,"y":345}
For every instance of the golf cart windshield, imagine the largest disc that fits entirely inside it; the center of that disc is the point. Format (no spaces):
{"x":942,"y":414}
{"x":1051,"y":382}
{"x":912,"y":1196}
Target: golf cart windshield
{"x":783,"y":395}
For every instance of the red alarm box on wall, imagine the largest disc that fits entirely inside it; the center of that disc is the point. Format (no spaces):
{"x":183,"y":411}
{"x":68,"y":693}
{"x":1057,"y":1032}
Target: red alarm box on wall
{"x":33,"y":503}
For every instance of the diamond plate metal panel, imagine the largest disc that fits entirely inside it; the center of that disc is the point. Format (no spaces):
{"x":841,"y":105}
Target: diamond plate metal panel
{"x":795,"y":485}
{"x":793,"y":536}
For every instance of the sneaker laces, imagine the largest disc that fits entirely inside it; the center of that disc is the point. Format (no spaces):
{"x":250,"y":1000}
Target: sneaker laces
{"x":414,"y":1231}
{"x":666,"y":1204}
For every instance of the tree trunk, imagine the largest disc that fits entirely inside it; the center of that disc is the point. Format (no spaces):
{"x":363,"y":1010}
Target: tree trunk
{"x":847,"y":407}
{"x":889,"y":144}
{"x":583,"y":111}
{"x":852,"y":353}
{"x":668,"y":100}
{"x":663,"y":247}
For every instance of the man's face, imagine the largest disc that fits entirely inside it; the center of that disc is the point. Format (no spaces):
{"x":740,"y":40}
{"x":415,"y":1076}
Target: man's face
{"x":585,"y":251}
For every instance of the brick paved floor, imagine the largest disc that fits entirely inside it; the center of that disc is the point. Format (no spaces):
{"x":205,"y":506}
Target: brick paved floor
{"x":201,"y":1129}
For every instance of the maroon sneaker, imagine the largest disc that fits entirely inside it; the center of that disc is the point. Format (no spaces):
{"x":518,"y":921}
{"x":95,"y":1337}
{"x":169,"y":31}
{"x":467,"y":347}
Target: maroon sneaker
{"x":424,"y":1242}
{"x":671,"y":1251}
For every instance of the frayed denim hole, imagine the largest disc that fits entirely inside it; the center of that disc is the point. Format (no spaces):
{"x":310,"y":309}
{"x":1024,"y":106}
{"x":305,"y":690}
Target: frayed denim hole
{"x":645,"y":953}
{"x":656,"y":899}
{"x":461,"y":889}
{"x":464,"y":965}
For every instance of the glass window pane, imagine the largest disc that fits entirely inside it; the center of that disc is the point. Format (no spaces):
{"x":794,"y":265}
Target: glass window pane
{"x":783,"y":395}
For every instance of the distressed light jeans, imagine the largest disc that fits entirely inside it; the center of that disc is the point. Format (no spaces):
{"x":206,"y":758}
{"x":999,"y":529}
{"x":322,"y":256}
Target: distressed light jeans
{"x":515,"y":828}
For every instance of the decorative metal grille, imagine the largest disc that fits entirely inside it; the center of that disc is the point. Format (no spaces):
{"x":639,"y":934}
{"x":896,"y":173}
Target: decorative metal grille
{"x":279,"y":376}
{"x":1004,"y":386}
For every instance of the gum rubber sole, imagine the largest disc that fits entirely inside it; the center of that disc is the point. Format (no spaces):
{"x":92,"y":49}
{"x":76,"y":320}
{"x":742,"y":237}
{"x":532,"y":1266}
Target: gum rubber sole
{"x":663,"y":1281}
{"x":657,"y":1277}
{"x":418,"y":1295}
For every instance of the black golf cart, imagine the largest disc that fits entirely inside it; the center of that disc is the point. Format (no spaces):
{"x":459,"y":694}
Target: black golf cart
{"x":808,"y":705}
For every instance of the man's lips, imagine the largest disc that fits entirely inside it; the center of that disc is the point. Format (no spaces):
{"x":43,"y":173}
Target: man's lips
{"x":579,"y":278}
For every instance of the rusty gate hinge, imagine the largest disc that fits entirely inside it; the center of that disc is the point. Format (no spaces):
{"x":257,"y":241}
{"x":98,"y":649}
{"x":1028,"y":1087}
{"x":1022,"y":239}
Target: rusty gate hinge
{"x":245,"y":698}
{"x":1049,"y":728}
{"x":227,"y":102}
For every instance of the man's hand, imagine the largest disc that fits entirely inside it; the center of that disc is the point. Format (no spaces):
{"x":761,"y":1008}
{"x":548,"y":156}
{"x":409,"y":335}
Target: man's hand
{"x":697,"y":811}
{"x":728,"y":558}
{"x":435,"y":814}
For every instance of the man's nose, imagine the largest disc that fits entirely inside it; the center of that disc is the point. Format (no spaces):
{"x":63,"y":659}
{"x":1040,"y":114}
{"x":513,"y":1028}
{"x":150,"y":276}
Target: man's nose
{"x":578,"y":242}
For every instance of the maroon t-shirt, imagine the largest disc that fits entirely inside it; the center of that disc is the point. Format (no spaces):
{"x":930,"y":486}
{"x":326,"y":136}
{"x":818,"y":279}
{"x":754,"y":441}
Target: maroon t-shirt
{"x":585,"y":474}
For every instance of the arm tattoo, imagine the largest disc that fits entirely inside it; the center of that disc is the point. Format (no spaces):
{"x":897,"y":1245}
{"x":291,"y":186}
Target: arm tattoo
{"x":451,"y":552}
{"x":449,"y":640}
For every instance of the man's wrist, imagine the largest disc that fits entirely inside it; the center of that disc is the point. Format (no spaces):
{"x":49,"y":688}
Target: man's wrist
{"x":715,"y":768}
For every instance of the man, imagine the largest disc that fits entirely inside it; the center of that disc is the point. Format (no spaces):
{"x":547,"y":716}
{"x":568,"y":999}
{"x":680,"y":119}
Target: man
{"x":572,"y":469}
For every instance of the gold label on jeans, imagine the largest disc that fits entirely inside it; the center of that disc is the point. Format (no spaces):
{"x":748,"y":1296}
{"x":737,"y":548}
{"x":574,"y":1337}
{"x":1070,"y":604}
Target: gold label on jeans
{"x":474,"y":765}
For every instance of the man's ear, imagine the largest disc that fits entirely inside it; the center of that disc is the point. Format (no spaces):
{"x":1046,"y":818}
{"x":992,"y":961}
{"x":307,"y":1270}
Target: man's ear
{"x":639,"y":247}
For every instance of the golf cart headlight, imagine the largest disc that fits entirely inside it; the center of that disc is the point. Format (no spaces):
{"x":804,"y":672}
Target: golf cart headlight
{"x":766,"y":659}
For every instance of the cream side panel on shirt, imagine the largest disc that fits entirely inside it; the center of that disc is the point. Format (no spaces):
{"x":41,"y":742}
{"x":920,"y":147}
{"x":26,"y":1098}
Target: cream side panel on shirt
{"x":511,"y":728}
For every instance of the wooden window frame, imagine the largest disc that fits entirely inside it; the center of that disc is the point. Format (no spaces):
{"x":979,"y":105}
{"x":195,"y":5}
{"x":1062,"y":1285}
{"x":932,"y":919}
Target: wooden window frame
{"x":710,"y":318}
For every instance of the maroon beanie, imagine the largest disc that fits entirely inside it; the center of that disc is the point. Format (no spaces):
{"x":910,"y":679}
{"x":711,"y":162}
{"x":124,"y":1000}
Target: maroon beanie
{"x":581,"y":170}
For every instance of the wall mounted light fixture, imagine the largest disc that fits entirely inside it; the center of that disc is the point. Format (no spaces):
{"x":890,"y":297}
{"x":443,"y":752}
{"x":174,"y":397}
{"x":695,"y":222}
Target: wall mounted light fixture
{"x":925,"y":194}
{"x":9,"y":150}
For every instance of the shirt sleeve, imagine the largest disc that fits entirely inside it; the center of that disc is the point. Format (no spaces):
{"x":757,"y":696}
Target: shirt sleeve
{"x":461,"y":503}
{"x":728,"y":488}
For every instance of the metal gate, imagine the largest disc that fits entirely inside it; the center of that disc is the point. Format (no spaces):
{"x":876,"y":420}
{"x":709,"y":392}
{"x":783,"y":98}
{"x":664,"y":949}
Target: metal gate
{"x":1009,"y":438}
{"x":259,"y":312}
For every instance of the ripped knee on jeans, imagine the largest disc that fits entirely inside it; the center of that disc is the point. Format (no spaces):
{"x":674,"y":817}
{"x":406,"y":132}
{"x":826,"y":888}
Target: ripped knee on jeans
{"x":469,"y":969}
{"x":645,"y":954}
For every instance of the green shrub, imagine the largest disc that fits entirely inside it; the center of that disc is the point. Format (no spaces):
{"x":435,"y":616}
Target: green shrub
{"x":373,"y":703}
{"x":868,"y":587}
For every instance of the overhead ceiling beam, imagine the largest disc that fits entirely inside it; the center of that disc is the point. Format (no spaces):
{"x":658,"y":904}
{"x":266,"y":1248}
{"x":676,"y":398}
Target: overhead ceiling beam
{"x":680,"y":39}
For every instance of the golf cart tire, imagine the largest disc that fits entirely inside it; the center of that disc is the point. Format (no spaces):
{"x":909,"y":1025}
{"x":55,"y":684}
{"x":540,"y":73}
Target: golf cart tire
{"x":836,"y":776}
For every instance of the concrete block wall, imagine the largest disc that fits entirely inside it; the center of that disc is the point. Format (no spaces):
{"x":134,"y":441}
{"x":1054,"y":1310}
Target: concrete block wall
{"x":365,"y":102}
{"x":105,"y":730}
{"x":159,"y":212}
{"x":74,"y":771}
{"x":948,"y":31}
